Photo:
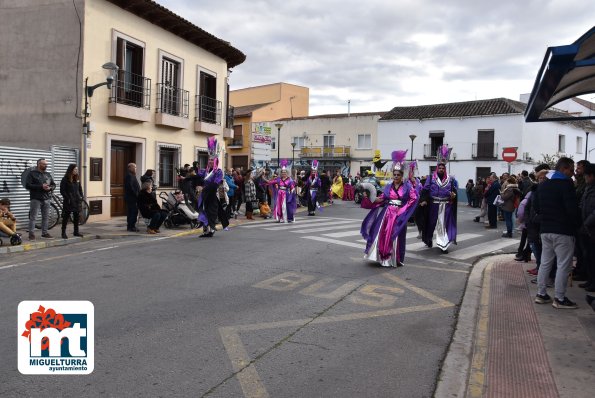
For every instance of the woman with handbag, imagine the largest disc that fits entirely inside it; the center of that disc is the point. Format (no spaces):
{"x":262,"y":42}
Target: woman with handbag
{"x":510,"y":198}
{"x":72,"y":195}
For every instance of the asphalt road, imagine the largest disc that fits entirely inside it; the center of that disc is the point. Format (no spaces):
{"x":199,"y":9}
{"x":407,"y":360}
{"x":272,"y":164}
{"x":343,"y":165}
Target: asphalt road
{"x":261,"y":310}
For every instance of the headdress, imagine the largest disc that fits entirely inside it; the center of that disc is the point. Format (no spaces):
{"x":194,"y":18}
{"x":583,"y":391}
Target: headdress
{"x":443,"y":154}
{"x":213,"y":148}
{"x":315,"y":165}
{"x":399,"y":160}
{"x":284,"y":165}
{"x":412,"y":167}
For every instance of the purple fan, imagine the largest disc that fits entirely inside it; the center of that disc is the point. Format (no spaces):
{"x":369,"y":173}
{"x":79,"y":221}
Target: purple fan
{"x":444,"y":152}
{"x":212,"y":144}
{"x":284,"y":163}
{"x":398,"y":156}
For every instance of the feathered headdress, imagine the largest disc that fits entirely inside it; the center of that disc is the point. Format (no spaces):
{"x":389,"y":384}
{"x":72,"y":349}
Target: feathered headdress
{"x":412,"y":168}
{"x":315,"y":165}
{"x":213,"y":148}
{"x":443,"y":154}
{"x":399,"y":160}
{"x":284,"y":164}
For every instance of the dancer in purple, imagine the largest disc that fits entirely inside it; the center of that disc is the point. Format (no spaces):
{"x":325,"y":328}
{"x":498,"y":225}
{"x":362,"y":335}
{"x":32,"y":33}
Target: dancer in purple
{"x":285,"y":199}
{"x":311,"y":187}
{"x":438,"y":197}
{"x":208,"y":201}
{"x":385,"y":226}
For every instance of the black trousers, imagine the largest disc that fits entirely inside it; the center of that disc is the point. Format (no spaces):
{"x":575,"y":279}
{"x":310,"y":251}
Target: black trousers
{"x":131,"y":213}
{"x":75,"y":219}
{"x":493,"y":215}
{"x":223,"y":213}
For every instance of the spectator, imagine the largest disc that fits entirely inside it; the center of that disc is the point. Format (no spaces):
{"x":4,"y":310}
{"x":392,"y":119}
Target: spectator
{"x":580,"y":250}
{"x":511,"y":196}
{"x":72,"y":195}
{"x":555,"y":202}
{"x":131,"y":191}
{"x":532,"y":224}
{"x":525,"y":183}
{"x":251,"y":202}
{"x":325,"y":187}
{"x":188,"y":186}
{"x":587,"y":231}
{"x":231,"y":191}
{"x":8,"y":222}
{"x":40,"y":185}
{"x":469,"y":190}
{"x":490,"y":196}
{"x":149,"y":209}
{"x":239,"y":181}
{"x":150,"y":176}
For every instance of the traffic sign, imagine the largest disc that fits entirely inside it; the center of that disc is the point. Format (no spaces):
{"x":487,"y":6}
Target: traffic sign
{"x":509,"y":154}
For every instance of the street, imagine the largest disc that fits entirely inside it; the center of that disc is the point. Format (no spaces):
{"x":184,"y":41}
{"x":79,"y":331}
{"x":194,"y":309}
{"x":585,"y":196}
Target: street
{"x":265,"y":309}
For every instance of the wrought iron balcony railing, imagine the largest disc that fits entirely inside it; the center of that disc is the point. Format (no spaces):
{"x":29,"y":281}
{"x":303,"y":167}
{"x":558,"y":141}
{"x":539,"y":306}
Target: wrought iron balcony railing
{"x":131,"y":89}
{"x":172,"y":100}
{"x":484,"y":151}
{"x":236,"y":143}
{"x":430,"y":151}
{"x":325,"y":152}
{"x":208,"y":110}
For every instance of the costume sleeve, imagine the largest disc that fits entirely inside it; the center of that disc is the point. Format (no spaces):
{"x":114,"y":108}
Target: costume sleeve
{"x":412,"y":201}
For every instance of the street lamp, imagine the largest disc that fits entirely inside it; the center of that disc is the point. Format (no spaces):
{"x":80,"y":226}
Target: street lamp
{"x":413,"y":137}
{"x":293,"y":155}
{"x":111,"y":67}
{"x":278,"y":125}
{"x":586,"y":145}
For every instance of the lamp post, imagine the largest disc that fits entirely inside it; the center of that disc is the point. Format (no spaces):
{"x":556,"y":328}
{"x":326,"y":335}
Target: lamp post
{"x":586,"y":145}
{"x":86,"y":113}
{"x":413,"y":137}
{"x":293,"y":156}
{"x":278,"y":125}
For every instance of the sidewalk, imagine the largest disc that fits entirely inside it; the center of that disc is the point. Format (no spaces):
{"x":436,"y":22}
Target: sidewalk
{"x":115,"y":228}
{"x":505,"y":345}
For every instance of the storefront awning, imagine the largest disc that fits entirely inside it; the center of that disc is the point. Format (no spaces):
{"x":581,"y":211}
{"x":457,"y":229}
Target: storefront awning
{"x":566,"y":72}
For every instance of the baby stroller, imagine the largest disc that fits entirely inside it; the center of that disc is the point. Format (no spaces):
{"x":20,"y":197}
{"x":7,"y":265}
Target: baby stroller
{"x":178,"y":211}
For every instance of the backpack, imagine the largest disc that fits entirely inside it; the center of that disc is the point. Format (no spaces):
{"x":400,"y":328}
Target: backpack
{"x":25,"y":174}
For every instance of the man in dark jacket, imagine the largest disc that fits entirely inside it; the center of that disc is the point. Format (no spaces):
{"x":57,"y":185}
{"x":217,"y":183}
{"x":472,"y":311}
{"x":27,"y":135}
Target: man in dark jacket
{"x":492,"y":192}
{"x":131,"y":190}
{"x":40,"y":185}
{"x":325,"y":187}
{"x":555,"y":203}
{"x":588,"y":229}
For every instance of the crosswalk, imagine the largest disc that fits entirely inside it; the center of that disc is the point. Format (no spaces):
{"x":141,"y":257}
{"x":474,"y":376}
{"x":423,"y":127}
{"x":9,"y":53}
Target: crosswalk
{"x":346,"y":232}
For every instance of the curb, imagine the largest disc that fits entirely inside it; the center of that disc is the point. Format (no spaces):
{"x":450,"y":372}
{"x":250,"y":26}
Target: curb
{"x":457,"y":371}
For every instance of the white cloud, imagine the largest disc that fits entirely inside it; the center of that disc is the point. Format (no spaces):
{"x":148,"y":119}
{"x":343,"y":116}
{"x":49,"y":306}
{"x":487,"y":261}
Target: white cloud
{"x":382,"y":54}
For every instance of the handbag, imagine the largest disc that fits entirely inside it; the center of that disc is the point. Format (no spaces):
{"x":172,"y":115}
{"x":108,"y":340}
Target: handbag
{"x":498,"y":201}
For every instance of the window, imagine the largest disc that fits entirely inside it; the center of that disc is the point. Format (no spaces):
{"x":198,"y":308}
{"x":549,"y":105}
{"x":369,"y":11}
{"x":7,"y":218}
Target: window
{"x":561,"y":143}
{"x":237,"y":131}
{"x":485,"y":144}
{"x":579,"y":144}
{"x":130,"y":85}
{"x":329,"y":141}
{"x":300,"y":142}
{"x":169,"y":92}
{"x":168,"y":161}
{"x":364,"y":141}
{"x":209,"y":109}
{"x":436,"y":141}
{"x":273,"y":143}
{"x":202,"y":158}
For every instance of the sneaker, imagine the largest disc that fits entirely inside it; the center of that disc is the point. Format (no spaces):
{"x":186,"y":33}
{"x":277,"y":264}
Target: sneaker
{"x":47,"y":236}
{"x":543,"y":299}
{"x":151,"y":231}
{"x":507,"y":235}
{"x":567,"y":304}
{"x":533,"y":272}
{"x":226,"y":229}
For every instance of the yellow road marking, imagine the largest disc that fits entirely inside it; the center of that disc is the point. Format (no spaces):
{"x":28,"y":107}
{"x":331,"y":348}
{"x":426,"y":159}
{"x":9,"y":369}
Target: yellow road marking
{"x":478,"y":363}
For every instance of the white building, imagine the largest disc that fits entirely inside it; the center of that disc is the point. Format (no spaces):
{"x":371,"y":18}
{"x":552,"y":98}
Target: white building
{"x":477,"y":132}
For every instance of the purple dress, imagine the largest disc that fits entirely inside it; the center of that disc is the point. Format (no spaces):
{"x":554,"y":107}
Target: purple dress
{"x":442,"y":211}
{"x":284,"y":199}
{"x":385,"y":226}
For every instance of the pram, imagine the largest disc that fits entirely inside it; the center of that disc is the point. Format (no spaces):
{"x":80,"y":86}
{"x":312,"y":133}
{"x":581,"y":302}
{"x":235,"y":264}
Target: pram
{"x":178,"y":211}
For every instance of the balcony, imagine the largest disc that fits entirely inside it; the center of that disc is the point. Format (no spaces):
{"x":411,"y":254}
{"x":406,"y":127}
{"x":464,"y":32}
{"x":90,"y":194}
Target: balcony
{"x":430,"y":151}
{"x":130,"y":97}
{"x":208,"y":115}
{"x":172,"y":106}
{"x":235,"y":143}
{"x":484,"y":151}
{"x":228,"y":130}
{"x":336,"y":152}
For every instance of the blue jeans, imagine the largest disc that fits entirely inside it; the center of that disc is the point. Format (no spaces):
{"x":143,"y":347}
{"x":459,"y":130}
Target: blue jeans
{"x":35,"y":205}
{"x":536,"y":249}
{"x":508,"y":220}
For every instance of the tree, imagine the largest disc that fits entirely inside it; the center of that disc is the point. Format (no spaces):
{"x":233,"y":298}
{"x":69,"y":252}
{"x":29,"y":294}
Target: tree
{"x":551,"y":160}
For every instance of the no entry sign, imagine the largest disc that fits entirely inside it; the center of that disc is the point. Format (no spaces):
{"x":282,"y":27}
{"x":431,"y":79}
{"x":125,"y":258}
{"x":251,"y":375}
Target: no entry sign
{"x":509,"y":154}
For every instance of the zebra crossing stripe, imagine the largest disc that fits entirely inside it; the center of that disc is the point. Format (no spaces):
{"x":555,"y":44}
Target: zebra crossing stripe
{"x":342,"y":234}
{"x":483,"y":248}
{"x":273,"y":223}
{"x":420,"y":245}
{"x":327,"y":224}
{"x":335,"y":241}
{"x":328,"y":228}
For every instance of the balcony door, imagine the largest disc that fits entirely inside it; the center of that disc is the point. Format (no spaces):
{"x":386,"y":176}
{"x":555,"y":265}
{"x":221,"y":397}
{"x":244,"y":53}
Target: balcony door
{"x":170,"y":78}
{"x":485,"y":144}
{"x":130,"y":84}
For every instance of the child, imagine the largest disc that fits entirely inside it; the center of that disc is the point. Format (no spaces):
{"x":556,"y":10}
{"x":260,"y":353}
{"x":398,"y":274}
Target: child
{"x":8,"y":222}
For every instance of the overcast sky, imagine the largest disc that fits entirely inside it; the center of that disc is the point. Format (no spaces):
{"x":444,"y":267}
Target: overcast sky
{"x":386,"y":53}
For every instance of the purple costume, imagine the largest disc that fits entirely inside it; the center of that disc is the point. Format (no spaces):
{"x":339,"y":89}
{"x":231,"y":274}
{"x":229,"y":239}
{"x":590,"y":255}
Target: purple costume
{"x":441,"y":211}
{"x":312,"y":186}
{"x":385,"y":226}
{"x":284,"y":199}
